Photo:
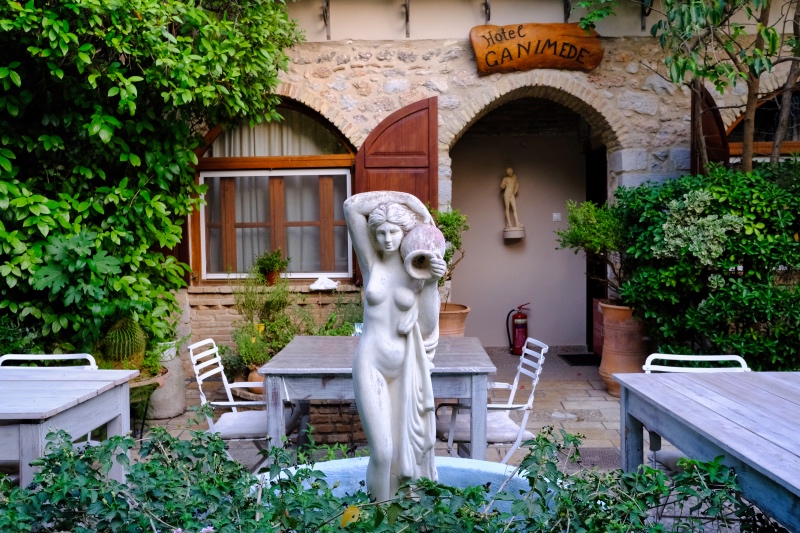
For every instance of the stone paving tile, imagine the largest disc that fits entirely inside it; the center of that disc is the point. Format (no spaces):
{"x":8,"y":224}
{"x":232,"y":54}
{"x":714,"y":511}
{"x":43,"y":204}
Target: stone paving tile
{"x":583,"y":426}
{"x":600,"y":404}
{"x":601,"y":443}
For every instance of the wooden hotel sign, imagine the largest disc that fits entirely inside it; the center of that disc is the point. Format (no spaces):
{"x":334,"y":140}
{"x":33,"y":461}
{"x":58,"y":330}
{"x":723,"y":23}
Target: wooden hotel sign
{"x":529,"y":46}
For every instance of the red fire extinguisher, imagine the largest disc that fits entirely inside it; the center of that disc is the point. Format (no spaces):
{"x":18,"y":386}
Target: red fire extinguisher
{"x":519,"y":321}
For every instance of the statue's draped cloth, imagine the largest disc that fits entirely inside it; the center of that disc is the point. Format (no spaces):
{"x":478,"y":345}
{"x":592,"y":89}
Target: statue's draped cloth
{"x":417,"y":436}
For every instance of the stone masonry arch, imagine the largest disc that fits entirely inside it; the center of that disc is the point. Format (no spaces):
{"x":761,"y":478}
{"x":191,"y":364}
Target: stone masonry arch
{"x":334,"y":113}
{"x":558,"y":86}
{"x":562,"y":87}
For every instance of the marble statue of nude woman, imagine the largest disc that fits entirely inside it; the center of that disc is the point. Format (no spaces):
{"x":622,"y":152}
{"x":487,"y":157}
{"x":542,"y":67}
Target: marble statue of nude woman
{"x":400,"y":252}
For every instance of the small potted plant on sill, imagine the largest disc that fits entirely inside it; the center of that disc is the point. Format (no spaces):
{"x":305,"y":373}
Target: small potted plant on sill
{"x":269,"y":265}
{"x":452,"y":224}
{"x":599,"y":231}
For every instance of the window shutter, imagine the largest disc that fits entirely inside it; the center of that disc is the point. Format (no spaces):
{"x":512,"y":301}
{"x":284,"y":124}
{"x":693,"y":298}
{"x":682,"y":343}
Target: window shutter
{"x":713,"y":131}
{"x":401,"y":154}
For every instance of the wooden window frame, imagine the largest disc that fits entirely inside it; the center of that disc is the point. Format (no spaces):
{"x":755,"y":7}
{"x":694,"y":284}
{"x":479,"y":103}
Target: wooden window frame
{"x":762,"y":148}
{"x":272,"y":168}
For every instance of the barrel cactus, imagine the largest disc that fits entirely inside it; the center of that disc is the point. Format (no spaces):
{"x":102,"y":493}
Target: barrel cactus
{"x":125,"y":342}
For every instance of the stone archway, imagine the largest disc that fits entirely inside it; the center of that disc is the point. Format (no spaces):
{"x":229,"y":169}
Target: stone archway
{"x":562,"y":87}
{"x":559,"y":86}
{"x":337,"y":115}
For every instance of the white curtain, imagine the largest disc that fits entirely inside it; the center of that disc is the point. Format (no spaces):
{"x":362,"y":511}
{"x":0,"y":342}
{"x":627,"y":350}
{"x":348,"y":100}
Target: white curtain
{"x":296,"y":135}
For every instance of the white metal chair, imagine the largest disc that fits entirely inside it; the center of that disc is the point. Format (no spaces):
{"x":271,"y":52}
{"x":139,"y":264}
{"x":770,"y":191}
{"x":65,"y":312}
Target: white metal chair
{"x":12,"y":468}
{"x":236,"y":425}
{"x":500,"y":428}
{"x":649,"y":367}
{"x":670,"y":459}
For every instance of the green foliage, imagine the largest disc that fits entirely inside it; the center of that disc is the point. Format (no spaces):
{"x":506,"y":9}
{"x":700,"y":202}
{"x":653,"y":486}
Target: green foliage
{"x":266,"y":326}
{"x":271,"y":262}
{"x":691,"y":32}
{"x":192,"y":484}
{"x":124,"y":340}
{"x":600,"y":231}
{"x":715,"y":263}
{"x":101,"y":109}
{"x":17,"y":339}
{"x":724,"y":43}
{"x":232,"y":363}
{"x":340,"y":322}
{"x":256,"y":345}
{"x":452,"y":224}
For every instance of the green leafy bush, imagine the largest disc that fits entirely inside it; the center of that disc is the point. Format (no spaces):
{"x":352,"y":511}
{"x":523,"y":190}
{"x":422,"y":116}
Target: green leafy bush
{"x":452,"y":224}
{"x":598,"y":231}
{"x":15,"y":338}
{"x":101,"y":109}
{"x":715,"y":264}
{"x":266,"y":325}
{"x":192,"y":486}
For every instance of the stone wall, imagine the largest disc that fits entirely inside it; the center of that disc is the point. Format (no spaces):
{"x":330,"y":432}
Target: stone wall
{"x":641,"y":118}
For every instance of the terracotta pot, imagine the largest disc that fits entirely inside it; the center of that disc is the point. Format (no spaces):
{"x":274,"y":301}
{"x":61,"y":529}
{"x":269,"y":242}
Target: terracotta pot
{"x":597,"y":327}
{"x":452,"y":318}
{"x":142,"y":381}
{"x":272,"y":278}
{"x":624,"y":347}
{"x":254,"y":376}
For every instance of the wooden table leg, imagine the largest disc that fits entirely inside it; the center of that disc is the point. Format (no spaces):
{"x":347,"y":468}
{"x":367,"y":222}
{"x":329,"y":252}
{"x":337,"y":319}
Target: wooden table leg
{"x":477,"y":429}
{"x":32,"y":440}
{"x":120,"y":425}
{"x":630,"y":434}
{"x":276,"y":426}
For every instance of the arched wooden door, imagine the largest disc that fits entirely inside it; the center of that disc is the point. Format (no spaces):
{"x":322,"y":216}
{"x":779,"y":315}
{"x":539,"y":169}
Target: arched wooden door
{"x":713,"y":129}
{"x":401,"y":154}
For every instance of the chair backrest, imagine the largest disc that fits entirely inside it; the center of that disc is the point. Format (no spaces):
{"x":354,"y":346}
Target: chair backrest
{"x":650,"y":367}
{"x":51,"y":357}
{"x":530,"y":365}
{"x":207,"y":363}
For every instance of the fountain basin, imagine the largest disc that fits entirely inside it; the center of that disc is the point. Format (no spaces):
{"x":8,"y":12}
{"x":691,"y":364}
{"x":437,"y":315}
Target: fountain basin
{"x":455,"y":472}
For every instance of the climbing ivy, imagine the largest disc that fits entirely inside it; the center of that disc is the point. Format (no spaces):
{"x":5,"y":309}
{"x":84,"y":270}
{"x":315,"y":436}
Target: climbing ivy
{"x":101,"y":109}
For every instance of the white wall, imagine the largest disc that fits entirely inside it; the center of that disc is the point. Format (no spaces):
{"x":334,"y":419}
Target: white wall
{"x":443,"y":19}
{"x":494,"y":276}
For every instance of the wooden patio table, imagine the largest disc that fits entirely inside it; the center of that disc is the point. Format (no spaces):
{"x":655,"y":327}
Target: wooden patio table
{"x":752,"y":418}
{"x":321,"y":368}
{"x":35,"y":400}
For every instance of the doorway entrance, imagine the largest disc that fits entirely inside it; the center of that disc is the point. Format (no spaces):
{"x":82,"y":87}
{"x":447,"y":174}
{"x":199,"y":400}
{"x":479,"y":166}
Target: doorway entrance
{"x":556,"y":157}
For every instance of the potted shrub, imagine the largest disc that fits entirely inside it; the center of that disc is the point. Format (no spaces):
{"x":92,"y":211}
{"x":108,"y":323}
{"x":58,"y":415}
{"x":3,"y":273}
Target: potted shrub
{"x":265,"y":326}
{"x":452,"y":224}
{"x":600,"y":231}
{"x":269,"y":265}
{"x":169,"y":400}
{"x":124,"y":345}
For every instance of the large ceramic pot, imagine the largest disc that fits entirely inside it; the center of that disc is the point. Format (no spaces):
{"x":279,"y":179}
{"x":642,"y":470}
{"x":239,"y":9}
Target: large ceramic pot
{"x":169,"y":400}
{"x":624,"y":346}
{"x":254,"y":376}
{"x":452,"y":318}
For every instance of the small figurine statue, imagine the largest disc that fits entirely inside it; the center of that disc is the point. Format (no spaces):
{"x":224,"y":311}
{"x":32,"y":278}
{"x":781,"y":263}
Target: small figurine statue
{"x":510,"y":188}
{"x":400,"y":253}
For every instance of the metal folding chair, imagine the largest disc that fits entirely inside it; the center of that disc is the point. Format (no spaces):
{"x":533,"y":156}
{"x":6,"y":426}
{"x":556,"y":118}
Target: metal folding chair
{"x":237,"y":425}
{"x":500,"y":428}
